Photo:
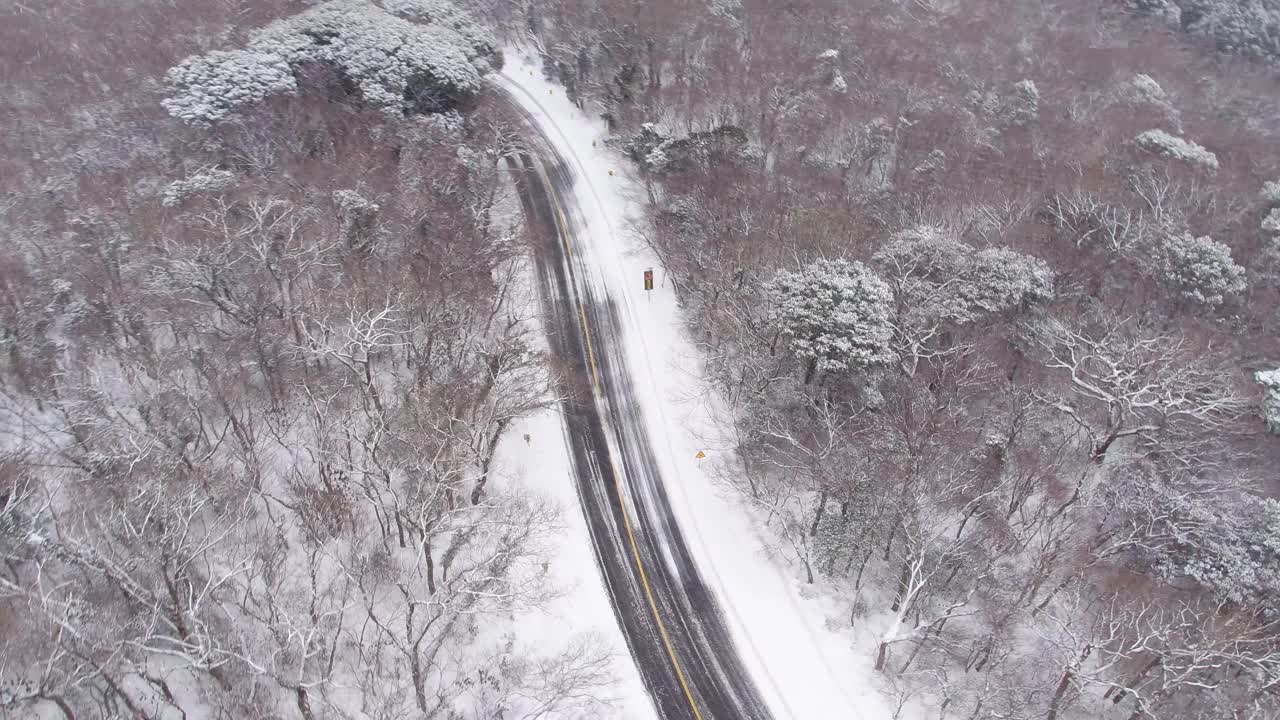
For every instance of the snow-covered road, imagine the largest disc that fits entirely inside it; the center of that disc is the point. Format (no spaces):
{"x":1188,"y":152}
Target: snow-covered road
{"x":717,"y":629}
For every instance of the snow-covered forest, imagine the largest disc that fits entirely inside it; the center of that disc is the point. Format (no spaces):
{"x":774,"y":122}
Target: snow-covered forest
{"x":260,"y":337}
{"x":989,"y":291}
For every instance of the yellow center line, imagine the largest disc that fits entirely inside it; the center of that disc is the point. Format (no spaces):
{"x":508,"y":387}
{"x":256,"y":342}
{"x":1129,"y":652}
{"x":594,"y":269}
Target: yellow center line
{"x":591,"y":353}
{"x":617,"y":481}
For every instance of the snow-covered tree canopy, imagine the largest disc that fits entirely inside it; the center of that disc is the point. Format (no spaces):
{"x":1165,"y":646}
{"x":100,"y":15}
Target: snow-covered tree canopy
{"x":833,"y":313}
{"x":660,"y":154}
{"x":1142,"y":88}
{"x":1242,"y":27}
{"x":204,"y":88}
{"x":401,"y":56}
{"x":1142,"y":92}
{"x":938,"y":278}
{"x":1200,"y":269}
{"x":1250,"y":28}
{"x":1271,"y":223}
{"x":1270,"y":381}
{"x":1232,"y":548}
{"x":1176,"y":148}
{"x":1023,"y":106}
{"x":1271,"y":193}
{"x":204,"y":180}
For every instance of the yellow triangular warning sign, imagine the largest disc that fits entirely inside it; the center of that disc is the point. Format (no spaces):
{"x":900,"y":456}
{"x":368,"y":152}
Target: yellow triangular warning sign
{"x":700,"y":455}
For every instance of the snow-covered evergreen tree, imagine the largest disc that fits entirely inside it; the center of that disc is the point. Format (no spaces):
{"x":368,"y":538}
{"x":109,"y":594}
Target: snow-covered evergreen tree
{"x":1270,"y":381}
{"x":1144,"y":94}
{"x":1271,"y":193}
{"x":938,"y":278}
{"x":1200,"y":269}
{"x":404,"y":56}
{"x":1142,"y":88}
{"x":357,"y":217}
{"x":204,"y":180}
{"x":1242,"y":27}
{"x":204,"y":88}
{"x":1233,"y":548}
{"x":1023,"y":106}
{"x":1271,"y":223}
{"x":1176,"y":148}
{"x":835,"y":314}
{"x":659,"y":154}
{"x":482,"y":46}
{"x":1166,"y":10}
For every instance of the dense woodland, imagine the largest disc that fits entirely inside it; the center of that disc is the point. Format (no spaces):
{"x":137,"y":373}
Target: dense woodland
{"x":260,"y":334}
{"x":989,"y":289}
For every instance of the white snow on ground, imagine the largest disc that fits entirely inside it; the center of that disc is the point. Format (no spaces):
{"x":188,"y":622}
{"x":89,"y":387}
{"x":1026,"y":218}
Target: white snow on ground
{"x":803,"y":670}
{"x":542,"y":466}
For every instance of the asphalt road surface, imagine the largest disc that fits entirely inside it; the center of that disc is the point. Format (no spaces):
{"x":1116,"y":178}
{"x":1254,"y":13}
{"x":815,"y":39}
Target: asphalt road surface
{"x":672,"y":623}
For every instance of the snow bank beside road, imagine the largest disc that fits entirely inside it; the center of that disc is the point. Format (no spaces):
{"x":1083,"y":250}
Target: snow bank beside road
{"x":804,"y":671}
{"x":541,"y":465}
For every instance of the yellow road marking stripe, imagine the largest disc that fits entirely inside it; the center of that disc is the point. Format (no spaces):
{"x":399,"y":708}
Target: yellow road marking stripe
{"x":564,"y":224}
{"x":617,"y":481}
{"x":591,"y":353}
{"x":644,"y":580}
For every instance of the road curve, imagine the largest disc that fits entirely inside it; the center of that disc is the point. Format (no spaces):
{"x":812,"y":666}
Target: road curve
{"x":672,"y":623}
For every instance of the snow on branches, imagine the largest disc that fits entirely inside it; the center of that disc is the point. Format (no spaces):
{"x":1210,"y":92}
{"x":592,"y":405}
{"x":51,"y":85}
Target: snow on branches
{"x":833,"y":313}
{"x":1200,"y":269}
{"x":1176,"y":148}
{"x":1270,"y":381}
{"x":1271,"y":223}
{"x":941,"y":278}
{"x":1023,"y":106}
{"x":1126,"y":381}
{"x":1142,"y":88}
{"x":205,"y":88}
{"x":204,"y":180}
{"x":1232,"y":548}
{"x":404,"y":56}
{"x":1271,"y":193}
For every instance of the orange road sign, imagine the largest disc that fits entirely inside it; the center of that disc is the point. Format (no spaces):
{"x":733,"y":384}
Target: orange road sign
{"x":700,"y":455}
{"x":648,"y":279}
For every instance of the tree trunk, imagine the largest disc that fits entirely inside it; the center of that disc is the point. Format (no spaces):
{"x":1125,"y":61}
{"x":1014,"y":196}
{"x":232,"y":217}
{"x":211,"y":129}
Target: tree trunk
{"x":477,"y":493}
{"x":1067,"y":675}
{"x":419,"y":687}
{"x":893,"y":530}
{"x":1052,"y":593}
{"x":304,"y":703}
{"x":882,"y":655}
{"x":904,"y":579}
{"x":810,"y":370}
{"x":914,"y":652}
{"x":1061,"y":690}
{"x":866,"y":557}
{"x":67,"y":712}
{"x":817,"y":516}
{"x":431,"y":565}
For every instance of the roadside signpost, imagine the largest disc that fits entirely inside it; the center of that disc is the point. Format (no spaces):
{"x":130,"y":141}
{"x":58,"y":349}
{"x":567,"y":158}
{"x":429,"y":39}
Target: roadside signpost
{"x":648,"y":283}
